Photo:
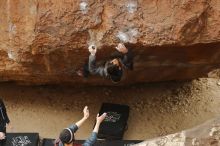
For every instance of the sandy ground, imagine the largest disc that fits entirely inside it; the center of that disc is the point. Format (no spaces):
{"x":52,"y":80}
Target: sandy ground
{"x":156,"y":109}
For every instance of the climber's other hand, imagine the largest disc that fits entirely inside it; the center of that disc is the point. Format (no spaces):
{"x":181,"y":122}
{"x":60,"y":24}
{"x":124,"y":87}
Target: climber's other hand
{"x":121,"y":48}
{"x":92,"y":49}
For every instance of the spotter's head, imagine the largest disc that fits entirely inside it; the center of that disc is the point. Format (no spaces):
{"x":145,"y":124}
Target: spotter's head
{"x":67,"y":136}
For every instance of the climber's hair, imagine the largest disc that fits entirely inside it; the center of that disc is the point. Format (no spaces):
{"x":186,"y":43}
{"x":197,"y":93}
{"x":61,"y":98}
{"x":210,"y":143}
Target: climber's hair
{"x":114,"y":71}
{"x":112,"y":68}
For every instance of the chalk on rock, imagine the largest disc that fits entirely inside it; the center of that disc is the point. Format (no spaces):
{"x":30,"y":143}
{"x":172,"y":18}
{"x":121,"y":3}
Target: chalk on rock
{"x":129,"y":35}
{"x":12,"y":28}
{"x":133,"y":32}
{"x":11,"y":55}
{"x":84,"y":7}
{"x":132,"y":6}
{"x":123,"y":36}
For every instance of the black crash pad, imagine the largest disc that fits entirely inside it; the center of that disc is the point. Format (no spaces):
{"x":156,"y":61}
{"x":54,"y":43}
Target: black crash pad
{"x":115,"y":123}
{"x":22,"y":139}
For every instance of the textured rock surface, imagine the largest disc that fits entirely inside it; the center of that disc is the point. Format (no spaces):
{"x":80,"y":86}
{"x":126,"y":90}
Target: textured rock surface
{"x":46,"y":41}
{"x":207,"y":134}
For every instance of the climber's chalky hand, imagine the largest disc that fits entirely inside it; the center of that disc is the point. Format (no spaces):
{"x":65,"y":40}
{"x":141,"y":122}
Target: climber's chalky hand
{"x":92,"y":49}
{"x":121,"y":48}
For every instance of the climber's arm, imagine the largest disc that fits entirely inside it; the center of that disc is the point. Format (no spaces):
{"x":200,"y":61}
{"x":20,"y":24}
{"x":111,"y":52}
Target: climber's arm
{"x":93,"y":69}
{"x":126,"y":56}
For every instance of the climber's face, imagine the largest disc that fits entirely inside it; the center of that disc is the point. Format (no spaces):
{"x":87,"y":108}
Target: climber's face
{"x":115,"y":62}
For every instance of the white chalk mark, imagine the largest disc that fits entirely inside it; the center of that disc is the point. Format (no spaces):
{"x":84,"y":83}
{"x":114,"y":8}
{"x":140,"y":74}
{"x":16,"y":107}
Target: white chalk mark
{"x":123,"y":36}
{"x":12,"y":55}
{"x":83,"y":7}
{"x":12,"y":28}
{"x":94,"y":38}
{"x":133,"y":32}
{"x":132,"y":6}
{"x":128,"y":36}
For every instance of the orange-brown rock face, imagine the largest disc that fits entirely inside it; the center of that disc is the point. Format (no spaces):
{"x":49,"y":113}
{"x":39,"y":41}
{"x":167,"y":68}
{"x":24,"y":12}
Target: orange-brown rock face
{"x":46,"y":41}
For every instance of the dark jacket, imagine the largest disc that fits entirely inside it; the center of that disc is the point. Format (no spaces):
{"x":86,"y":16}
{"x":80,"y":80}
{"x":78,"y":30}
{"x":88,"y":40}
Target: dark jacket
{"x":3,"y":116}
{"x":125,"y":59}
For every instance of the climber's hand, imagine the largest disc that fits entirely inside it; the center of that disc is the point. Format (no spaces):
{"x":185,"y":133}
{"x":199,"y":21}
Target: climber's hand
{"x":2,"y":136}
{"x":121,"y":48}
{"x":92,"y":49}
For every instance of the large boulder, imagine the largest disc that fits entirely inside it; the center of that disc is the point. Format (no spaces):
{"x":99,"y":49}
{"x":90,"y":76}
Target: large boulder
{"x":206,"y":134}
{"x":45,"y":42}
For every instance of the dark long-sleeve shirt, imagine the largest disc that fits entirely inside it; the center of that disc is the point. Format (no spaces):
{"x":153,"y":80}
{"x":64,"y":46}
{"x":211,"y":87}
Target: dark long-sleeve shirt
{"x":3,"y":114}
{"x":96,"y":70}
{"x":125,"y":59}
{"x":89,"y":142}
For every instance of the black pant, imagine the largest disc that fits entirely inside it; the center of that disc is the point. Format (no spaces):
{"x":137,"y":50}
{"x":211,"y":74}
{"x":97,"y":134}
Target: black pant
{"x":86,"y":70}
{"x":3,"y":129}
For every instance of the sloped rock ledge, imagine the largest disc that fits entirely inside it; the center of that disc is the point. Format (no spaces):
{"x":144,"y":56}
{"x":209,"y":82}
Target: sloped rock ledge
{"x":151,"y":64}
{"x":207,"y":134}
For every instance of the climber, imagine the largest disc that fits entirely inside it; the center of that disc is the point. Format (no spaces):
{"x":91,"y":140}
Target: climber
{"x":67,"y":137}
{"x":4,"y":122}
{"x":112,"y":69}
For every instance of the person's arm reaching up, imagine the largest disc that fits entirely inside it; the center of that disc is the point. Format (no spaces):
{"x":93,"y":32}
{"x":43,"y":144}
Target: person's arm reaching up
{"x":99,"y":120}
{"x":92,"y":139}
{"x":75,"y":127}
{"x":85,"y":117}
